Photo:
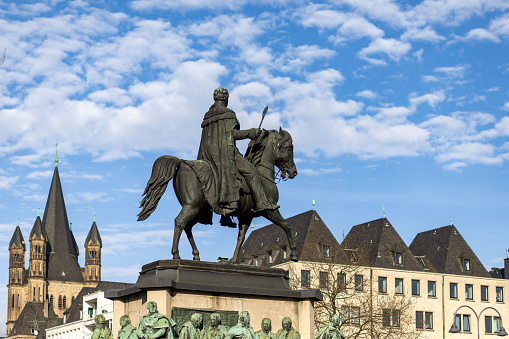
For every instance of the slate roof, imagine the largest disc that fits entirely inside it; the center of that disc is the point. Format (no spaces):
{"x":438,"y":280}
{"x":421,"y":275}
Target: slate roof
{"x":17,"y":239}
{"x":446,"y":249}
{"x":375,"y":243}
{"x":32,"y":317}
{"x":38,"y":231}
{"x":62,"y":250}
{"x":73,"y":312}
{"x":310,"y":235}
{"x":93,"y":237}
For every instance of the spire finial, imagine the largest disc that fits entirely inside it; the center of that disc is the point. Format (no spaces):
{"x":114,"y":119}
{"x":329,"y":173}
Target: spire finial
{"x":451,"y":219}
{"x":383,"y":210}
{"x":70,"y":225}
{"x":57,"y":159}
{"x":252,"y":226}
{"x":94,"y":217}
{"x":18,"y":221}
{"x":38,"y":210}
{"x":314,"y":203}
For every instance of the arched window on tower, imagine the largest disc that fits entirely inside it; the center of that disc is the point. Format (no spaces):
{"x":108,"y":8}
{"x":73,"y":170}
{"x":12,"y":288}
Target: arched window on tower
{"x":59,"y":301}
{"x":13,"y":303}
{"x":72,"y":299}
{"x":18,"y":301}
{"x":51,"y":300}
{"x":64,"y":302}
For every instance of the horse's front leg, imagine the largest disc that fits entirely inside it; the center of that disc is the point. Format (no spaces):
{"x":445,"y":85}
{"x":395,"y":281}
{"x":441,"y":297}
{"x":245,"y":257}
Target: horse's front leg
{"x":187,"y":213}
{"x":243,"y":227}
{"x":278,"y":219}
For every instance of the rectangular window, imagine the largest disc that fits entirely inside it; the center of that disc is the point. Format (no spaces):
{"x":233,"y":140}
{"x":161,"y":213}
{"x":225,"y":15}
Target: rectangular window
{"x":429,"y":320}
{"x":269,"y":256}
{"x":496,"y":324}
{"x":386,"y":317}
{"x":326,"y":251}
{"x":359,"y":282}
{"x":399,"y":258}
{"x":341,"y":281}
{"x":305,"y":280}
{"x":345,"y":315}
{"x":324,"y":279}
{"x":419,"y":319}
{"x":398,"y":285}
{"x":416,"y":287}
{"x":453,"y":291}
{"x":457,"y":321}
{"x":355,"y":315}
{"x":432,"y":289}
{"x":466,"y":323}
{"x":382,"y":284}
{"x":469,"y":292}
{"x":90,"y":313}
{"x":487,"y":324}
{"x":255,"y":261}
{"x":466,"y":265}
{"x":395,"y":318}
{"x":484,"y":293}
{"x":500,"y":294}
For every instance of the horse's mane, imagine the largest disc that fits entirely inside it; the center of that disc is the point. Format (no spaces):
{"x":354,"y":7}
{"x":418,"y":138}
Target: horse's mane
{"x":256,"y":147}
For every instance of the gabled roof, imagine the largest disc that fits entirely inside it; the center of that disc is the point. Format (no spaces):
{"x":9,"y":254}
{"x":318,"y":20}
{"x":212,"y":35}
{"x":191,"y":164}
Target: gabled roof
{"x":17,"y":240}
{"x":310,"y":235}
{"x":93,"y":237}
{"x":32,"y":318}
{"x":62,"y":250}
{"x":38,"y":231}
{"x":376,"y":244}
{"x":446,"y":249}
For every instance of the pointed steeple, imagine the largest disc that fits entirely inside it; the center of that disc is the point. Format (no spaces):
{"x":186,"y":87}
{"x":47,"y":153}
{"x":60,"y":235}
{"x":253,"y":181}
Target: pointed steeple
{"x":17,"y":240}
{"x":62,"y":249}
{"x":38,"y":231}
{"x":93,"y":237}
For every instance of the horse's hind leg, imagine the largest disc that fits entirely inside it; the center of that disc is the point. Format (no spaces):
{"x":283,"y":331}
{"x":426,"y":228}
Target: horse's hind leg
{"x":278,"y":219}
{"x":185,"y":217}
{"x":188,"y":229}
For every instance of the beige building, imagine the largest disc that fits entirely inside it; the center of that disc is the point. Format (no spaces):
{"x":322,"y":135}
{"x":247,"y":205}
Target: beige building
{"x":380,"y":286}
{"x":39,"y":294}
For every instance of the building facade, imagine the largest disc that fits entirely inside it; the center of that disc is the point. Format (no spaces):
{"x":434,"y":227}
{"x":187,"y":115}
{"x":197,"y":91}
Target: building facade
{"x":53,"y":278}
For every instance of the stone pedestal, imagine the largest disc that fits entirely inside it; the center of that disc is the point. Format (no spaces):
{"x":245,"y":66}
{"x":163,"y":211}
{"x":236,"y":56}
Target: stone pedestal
{"x":262,"y":291}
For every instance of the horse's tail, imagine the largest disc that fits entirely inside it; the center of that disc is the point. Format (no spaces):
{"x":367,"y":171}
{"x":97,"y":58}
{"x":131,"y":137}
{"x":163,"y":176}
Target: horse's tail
{"x":163,"y":171}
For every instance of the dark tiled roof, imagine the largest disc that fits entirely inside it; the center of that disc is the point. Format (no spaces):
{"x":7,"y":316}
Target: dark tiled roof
{"x":376,"y":243}
{"x":93,"y":237}
{"x":446,"y":249}
{"x":17,"y":240}
{"x":32,"y":318}
{"x":38,"y":231}
{"x":62,"y":264}
{"x":310,"y":234}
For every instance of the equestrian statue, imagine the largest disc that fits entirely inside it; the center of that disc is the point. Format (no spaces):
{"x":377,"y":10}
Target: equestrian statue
{"x":221,"y":180}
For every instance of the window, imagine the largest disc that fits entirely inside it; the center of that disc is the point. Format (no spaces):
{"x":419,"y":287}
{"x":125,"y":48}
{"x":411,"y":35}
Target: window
{"x":359,"y":282}
{"x":324,"y":279}
{"x":453,"y":290}
{"x":305,"y":279}
{"x":416,"y":287}
{"x":59,"y":301}
{"x":72,"y":299}
{"x":345,"y":315}
{"x":487,"y":324}
{"x":469,"y":292}
{"x":269,"y":257}
{"x":341,"y":281}
{"x":499,"y":294}
{"x":399,"y":258}
{"x":51,"y":300}
{"x":419,"y":319}
{"x":284,"y":253}
{"x":466,"y":265}
{"x":466,"y":323}
{"x":326,"y":251}
{"x":90,"y":313}
{"x":432,"y":289}
{"x":64,"y":302}
{"x":398,"y":285}
{"x":255,"y":261}
{"x":496,"y":324}
{"x":429,"y":320}
{"x":457,"y":321}
{"x":355,"y":315}
{"x":386,"y":317}
{"x":395,"y":318}
{"x":382,"y":284}
{"x":484,"y":293}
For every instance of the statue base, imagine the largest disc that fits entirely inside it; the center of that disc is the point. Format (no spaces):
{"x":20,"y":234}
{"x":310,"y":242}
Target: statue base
{"x":208,"y":287}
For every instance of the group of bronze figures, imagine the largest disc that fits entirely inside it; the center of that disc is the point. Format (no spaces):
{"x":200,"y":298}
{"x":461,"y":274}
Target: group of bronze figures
{"x":155,"y":325}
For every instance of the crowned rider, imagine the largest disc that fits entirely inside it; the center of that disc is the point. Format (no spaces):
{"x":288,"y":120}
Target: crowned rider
{"x":220,"y":129}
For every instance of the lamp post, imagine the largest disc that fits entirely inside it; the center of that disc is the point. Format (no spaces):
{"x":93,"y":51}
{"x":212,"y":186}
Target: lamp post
{"x":455,"y":329}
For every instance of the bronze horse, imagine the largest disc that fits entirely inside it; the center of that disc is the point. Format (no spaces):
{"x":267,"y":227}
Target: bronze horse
{"x":272,"y":148}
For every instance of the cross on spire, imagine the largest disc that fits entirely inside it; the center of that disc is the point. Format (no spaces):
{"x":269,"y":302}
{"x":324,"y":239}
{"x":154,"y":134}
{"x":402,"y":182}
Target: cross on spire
{"x":57,"y":159}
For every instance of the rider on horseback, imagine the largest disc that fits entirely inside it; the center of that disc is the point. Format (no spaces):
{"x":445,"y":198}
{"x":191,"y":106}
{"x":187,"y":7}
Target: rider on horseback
{"x":220,"y":129}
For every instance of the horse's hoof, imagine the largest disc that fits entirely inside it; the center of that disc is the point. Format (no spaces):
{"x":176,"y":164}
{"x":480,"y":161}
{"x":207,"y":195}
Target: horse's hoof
{"x":196,"y":257}
{"x":176,"y":257}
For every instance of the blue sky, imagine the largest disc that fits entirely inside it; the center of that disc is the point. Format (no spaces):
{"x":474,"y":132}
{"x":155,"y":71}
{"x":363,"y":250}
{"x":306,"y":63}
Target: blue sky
{"x":392,"y":104}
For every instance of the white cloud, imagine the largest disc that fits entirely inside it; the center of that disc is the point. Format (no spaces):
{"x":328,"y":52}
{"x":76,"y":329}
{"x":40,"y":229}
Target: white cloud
{"x":146,"y":5}
{"x":318,"y":16}
{"x":500,"y":25}
{"x":422,"y":34}
{"x":117,"y":96}
{"x":7,"y":182}
{"x":392,"y":48}
{"x":506,"y":106}
{"x":321,"y":171}
{"x":453,"y":71}
{"x":359,"y":27}
{"x":297,"y":58}
{"x":367,"y":94}
{"x":480,"y":34}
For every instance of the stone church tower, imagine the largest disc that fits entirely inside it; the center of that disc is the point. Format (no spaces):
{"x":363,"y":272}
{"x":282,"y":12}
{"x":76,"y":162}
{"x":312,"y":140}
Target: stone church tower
{"x":54,"y":277}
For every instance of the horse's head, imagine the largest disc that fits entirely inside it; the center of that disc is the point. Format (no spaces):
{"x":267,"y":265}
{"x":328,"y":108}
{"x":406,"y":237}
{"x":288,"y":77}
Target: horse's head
{"x":283,"y":153}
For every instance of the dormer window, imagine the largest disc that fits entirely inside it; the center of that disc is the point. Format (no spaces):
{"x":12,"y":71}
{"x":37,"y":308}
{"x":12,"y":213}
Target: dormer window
{"x":326,"y":251}
{"x":399,"y":258}
{"x":466,"y":265}
{"x":269,"y":257}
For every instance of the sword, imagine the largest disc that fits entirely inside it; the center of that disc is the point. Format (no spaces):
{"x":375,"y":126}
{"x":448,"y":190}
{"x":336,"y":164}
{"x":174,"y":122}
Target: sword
{"x":263,"y":115}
